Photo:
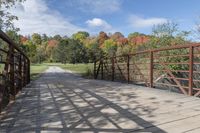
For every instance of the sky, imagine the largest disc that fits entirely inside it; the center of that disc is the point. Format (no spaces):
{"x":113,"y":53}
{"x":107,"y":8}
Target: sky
{"x":66,"y":17}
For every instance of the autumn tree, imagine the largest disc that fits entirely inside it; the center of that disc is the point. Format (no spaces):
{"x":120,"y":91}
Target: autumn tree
{"x":102,"y":37}
{"x":116,"y":36}
{"x":50,"y":49}
{"x":93,"y":49}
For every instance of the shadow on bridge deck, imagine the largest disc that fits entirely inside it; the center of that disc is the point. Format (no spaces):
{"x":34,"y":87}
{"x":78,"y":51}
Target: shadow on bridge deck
{"x":63,"y":102}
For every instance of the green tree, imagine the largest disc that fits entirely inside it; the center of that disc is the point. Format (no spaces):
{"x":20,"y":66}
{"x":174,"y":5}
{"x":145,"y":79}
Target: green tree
{"x":93,"y":49}
{"x":77,"y":52}
{"x":36,"y":39}
{"x":110,"y":47}
{"x":14,"y":36}
{"x":61,"y":52}
{"x":6,"y":18}
{"x":57,"y":37}
{"x":80,"y":36}
{"x":168,"y":29}
{"x":31,"y":50}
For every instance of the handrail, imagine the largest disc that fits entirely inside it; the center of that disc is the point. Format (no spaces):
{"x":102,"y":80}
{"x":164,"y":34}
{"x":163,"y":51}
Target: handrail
{"x":9,"y":41}
{"x":149,"y":69}
{"x":16,"y":70}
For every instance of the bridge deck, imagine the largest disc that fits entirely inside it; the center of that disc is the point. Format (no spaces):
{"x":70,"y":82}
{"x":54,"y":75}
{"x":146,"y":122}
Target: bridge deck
{"x":63,"y":102}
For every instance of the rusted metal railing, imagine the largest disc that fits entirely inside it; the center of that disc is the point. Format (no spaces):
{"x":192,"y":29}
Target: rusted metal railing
{"x":14,"y":70}
{"x":176,"y":68}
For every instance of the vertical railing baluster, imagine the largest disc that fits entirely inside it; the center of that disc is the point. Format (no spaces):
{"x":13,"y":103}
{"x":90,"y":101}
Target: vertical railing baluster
{"x":191,"y":54}
{"x":24,"y":72}
{"x":20,"y":72}
{"x":12,"y":70}
{"x":28,"y":70}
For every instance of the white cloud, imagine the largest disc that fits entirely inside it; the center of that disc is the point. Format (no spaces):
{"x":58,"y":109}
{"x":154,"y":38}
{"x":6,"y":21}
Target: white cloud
{"x":35,"y":16}
{"x":98,"y":23}
{"x":96,"y":6}
{"x":139,"y":22}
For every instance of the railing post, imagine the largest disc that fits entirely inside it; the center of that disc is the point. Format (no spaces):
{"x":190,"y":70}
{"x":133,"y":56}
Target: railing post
{"x":20,"y":72}
{"x":191,"y":54}
{"x":29,"y":72}
{"x":128,"y":71}
{"x":113,"y":68}
{"x":151,"y":69}
{"x":12,"y":70}
{"x":24,"y":72}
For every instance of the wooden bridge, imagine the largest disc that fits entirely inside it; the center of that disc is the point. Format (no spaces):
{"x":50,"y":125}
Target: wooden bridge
{"x":60,"y":101}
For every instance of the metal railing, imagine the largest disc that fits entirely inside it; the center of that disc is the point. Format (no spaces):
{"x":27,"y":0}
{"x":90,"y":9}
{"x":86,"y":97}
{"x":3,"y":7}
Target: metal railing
{"x":176,"y":68}
{"x":14,"y":70}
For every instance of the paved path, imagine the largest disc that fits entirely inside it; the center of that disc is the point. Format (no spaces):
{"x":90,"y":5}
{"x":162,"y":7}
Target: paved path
{"x":63,"y":102}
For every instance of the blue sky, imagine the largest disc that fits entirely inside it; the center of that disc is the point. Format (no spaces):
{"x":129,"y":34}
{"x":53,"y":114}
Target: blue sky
{"x":66,"y":17}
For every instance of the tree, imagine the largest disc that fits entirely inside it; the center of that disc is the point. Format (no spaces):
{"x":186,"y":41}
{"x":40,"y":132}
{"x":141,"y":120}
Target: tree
{"x":116,"y":36}
{"x":93,"y":48}
{"x":167,"y":34}
{"x":50,"y":49}
{"x":44,"y":38}
{"x":167,"y":29}
{"x":14,"y":36}
{"x":40,"y":54}
{"x":31,"y":50}
{"x":77,"y":52}
{"x":102,"y":37}
{"x":61,"y":52}
{"x":6,"y":18}
{"x":57,"y":37}
{"x":135,"y":34}
{"x":36,"y":39}
{"x":80,"y":36}
{"x":110,"y":47}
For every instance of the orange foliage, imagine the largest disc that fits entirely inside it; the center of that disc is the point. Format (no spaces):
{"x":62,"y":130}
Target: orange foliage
{"x":102,"y":37}
{"x":138,"y":40}
{"x":23,"y":39}
{"x":122,"y":41}
{"x":52,"y":43}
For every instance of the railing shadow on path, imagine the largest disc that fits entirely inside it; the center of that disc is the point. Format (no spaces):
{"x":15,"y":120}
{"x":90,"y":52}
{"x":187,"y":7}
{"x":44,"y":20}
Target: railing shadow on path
{"x":59,"y":102}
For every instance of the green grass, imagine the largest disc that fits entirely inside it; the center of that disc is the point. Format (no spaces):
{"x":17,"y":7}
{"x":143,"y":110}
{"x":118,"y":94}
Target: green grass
{"x":37,"y":69}
{"x":83,"y":69}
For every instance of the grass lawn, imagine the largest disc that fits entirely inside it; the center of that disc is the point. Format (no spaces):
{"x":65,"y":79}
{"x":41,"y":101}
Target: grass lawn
{"x":37,"y":69}
{"x":85,"y":70}
{"x":82,"y":69}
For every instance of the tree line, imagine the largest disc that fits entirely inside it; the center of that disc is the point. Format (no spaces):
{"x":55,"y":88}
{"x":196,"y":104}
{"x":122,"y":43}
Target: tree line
{"x":82,"y":47}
